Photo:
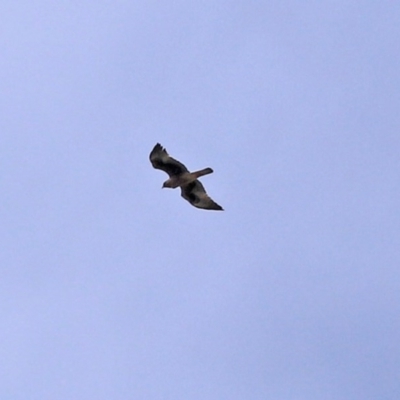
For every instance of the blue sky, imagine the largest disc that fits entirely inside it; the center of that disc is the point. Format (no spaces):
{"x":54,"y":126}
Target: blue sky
{"x":115,"y":289}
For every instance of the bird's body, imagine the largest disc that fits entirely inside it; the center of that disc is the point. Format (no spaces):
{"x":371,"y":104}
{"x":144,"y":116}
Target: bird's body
{"x":185,"y":178}
{"x":192,"y":189}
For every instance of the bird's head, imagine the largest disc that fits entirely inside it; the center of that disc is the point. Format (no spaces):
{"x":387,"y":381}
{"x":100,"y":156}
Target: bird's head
{"x":166,"y":184}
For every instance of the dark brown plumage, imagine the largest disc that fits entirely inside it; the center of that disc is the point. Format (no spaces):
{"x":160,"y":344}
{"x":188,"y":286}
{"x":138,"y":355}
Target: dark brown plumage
{"x":192,"y":189}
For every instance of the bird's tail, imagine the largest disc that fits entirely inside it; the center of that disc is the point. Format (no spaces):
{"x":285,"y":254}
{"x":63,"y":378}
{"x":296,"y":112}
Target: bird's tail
{"x":205,"y":171}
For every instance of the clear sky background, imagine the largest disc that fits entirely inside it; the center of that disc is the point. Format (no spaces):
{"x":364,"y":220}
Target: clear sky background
{"x":112,"y":288}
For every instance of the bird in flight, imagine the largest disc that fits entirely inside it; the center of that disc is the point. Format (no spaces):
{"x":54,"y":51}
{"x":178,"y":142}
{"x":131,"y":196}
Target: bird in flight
{"x":192,"y":189}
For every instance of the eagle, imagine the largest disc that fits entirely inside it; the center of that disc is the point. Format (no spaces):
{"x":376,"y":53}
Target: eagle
{"x":192,"y":189}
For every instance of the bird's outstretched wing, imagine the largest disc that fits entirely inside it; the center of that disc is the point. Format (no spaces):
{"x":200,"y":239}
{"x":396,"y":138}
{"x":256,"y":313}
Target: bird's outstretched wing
{"x":160,"y":159}
{"x":197,"y":196}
